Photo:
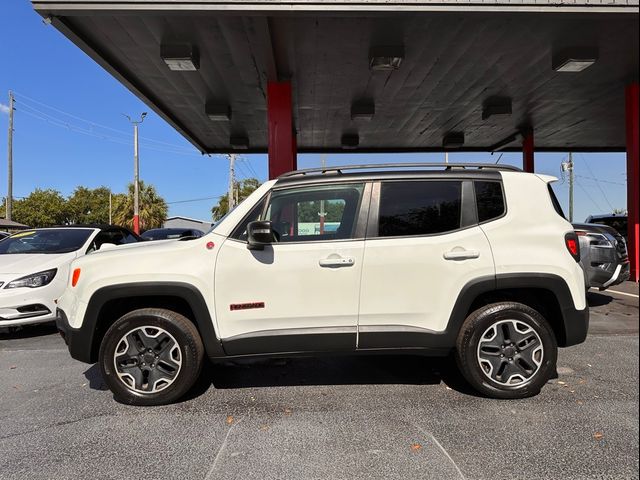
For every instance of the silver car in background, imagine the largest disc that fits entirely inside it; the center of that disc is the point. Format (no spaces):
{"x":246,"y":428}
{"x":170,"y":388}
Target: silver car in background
{"x":603,"y":255}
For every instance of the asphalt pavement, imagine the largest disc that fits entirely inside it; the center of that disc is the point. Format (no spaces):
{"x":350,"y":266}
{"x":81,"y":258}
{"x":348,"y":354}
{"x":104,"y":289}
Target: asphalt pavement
{"x":387,"y":417}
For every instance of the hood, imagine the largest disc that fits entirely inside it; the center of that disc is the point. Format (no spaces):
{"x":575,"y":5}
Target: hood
{"x":146,"y":247}
{"x":26,"y":263}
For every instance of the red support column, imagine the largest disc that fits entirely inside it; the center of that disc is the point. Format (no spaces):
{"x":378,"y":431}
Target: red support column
{"x":527,"y":151}
{"x":282,"y":146}
{"x":633,"y":177}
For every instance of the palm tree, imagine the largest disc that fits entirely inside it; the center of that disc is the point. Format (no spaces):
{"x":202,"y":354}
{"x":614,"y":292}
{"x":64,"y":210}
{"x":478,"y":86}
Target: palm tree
{"x":153,"y":208}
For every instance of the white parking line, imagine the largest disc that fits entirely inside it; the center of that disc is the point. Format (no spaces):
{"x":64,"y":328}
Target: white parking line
{"x":620,"y":293}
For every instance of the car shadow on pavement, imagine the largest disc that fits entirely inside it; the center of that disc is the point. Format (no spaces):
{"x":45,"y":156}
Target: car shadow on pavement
{"x":595,"y":299}
{"x":94,"y":376}
{"x":314,"y":371}
{"x":27,"y":331}
{"x":327,"y":370}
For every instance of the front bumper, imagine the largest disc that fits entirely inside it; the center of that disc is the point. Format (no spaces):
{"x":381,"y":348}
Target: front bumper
{"x":78,"y":341}
{"x":25,"y":307}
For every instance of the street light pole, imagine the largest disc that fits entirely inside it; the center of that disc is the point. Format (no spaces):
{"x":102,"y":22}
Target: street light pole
{"x":136,"y":173}
{"x":9,"y":201}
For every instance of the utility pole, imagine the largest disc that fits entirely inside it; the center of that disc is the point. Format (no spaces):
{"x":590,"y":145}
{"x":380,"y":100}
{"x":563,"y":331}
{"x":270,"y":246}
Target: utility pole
{"x":110,"y":204}
{"x":136,"y":173}
{"x":568,"y":167}
{"x":571,"y":187}
{"x":322,"y":213}
{"x":9,"y":203}
{"x":232,"y":181}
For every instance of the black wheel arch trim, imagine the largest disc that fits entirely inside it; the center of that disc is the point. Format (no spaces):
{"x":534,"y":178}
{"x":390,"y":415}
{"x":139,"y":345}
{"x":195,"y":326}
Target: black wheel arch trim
{"x":574,"y":323}
{"x":81,"y":341}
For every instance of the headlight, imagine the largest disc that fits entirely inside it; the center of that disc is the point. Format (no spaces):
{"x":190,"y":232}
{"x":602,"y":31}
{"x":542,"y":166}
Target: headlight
{"x":34,"y":280}
{"x":600,"y":240}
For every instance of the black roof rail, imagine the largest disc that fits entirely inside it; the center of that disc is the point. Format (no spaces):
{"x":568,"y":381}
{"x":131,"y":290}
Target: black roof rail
{"x":447,"y":166}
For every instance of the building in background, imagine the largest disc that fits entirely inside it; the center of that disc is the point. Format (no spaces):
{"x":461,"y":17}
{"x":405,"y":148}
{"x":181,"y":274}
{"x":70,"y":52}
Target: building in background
{"x":186,"y":222}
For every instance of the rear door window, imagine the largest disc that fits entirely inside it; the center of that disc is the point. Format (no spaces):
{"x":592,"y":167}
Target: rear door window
{"x":427,"y":207}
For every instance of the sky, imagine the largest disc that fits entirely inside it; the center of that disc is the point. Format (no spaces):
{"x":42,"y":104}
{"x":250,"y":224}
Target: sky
{"x":70,"y":130}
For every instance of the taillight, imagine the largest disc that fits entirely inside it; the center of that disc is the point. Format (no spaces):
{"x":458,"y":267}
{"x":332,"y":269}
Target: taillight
{"x":573,"y":245}
{"x":75,"y":277}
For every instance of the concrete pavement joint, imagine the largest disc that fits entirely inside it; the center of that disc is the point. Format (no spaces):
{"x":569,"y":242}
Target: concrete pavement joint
{"x":220,"y":451}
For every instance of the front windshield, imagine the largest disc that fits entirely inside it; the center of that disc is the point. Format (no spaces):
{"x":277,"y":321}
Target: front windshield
{"x":57,"y":240}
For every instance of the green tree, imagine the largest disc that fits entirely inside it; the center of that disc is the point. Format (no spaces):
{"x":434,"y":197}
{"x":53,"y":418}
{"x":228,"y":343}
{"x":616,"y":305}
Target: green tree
{"x":42,"y":208}
{"x":243,"y":188}
{"x":88,"y":205}
{"x":153,"y":208}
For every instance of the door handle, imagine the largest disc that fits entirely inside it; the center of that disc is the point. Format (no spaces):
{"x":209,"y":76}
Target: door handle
{"x":461,"y":254}
{"x":337,"y":262}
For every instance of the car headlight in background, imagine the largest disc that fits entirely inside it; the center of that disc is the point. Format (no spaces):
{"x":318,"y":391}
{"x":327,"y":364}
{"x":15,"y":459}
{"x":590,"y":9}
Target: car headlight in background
{"x":600,"y":240}
{"x":34,"y":280}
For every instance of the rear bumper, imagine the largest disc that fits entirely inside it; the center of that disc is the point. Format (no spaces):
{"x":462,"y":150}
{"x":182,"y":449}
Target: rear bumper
{"x":576,"y":326}
{"x":78,"y":341}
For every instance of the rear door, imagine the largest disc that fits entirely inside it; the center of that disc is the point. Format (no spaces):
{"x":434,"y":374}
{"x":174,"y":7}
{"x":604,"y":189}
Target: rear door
{"x":423,"y":245}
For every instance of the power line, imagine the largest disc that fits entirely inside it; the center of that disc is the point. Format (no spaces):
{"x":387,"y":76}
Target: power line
{"x":597,"y":182}
{"x":92,"y":123}
{"x":77,"y":129}
{"x":602,"y":181}
{"x":589,"y":196}
{"x":248,"y":163}
{"x":202,"y":199}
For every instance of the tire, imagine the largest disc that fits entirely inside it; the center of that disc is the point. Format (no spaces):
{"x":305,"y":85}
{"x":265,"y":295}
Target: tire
{"x":162,"y":343}
{"x":517,"y":371}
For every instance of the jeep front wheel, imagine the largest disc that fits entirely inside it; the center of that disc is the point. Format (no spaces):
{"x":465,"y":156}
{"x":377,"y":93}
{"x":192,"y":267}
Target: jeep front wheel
{"x":151,"y":357}
{"x":506,"y":350}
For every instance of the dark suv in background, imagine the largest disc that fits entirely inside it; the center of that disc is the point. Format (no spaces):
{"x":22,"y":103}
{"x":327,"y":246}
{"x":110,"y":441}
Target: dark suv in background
{"x":603,"y":253}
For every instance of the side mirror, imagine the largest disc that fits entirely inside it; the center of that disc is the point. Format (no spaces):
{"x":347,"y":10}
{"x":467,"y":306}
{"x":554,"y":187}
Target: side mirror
{"x":107,"y":246}
{"x":259,"y":234}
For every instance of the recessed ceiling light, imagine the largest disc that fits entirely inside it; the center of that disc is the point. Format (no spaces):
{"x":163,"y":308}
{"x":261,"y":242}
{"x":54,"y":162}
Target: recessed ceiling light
{"x":453,"y":140}
{"x":239,"y":142}
{"x":384,"y":58}
{"x":350,"y":141}
{"x":574,"y":59}
{"x":363,"y":110}
{"x":180,"y":57}
{"x":217,"y":112}
{"x":496,"y":106}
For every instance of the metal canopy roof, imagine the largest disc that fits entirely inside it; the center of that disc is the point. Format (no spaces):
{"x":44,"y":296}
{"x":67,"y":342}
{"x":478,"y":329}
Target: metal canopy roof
{"x":455,"y":60}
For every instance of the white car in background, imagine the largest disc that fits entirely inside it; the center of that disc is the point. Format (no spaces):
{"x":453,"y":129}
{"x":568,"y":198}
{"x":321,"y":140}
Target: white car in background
{"x":34,"y":268}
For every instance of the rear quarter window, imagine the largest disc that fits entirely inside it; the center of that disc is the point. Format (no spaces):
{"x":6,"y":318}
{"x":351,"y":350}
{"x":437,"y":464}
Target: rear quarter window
{"x":489,"y":200}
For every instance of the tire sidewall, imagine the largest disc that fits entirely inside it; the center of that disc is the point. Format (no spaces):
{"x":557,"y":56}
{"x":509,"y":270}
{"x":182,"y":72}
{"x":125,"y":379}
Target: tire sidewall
{"x":191,"y":356}
{"x":474,"y":328}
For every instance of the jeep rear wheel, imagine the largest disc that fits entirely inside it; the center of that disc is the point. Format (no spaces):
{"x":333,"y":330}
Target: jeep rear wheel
{"x":151,"y":357}
{"x":506,"y":350}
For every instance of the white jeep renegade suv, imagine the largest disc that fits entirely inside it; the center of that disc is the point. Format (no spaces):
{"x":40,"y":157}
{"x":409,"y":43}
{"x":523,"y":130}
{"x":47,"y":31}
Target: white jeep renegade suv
{"x":473,"y":260}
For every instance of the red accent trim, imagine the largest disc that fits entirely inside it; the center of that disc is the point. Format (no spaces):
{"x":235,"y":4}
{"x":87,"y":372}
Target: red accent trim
{"x":527,"y":152}
{"x":282,"y":142}
{"x":210,"y":245}
{"x":246,"y":306}
{"x":632,"y":98}
{"x":136,"y":224}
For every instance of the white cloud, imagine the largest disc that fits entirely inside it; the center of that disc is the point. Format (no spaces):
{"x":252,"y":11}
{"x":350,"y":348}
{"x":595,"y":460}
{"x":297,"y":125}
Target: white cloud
{"x":4,"y":108}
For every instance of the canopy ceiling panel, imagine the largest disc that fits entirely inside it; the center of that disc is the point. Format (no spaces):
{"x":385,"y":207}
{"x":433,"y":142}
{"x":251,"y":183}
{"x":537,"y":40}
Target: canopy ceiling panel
{"x":453,"y":64}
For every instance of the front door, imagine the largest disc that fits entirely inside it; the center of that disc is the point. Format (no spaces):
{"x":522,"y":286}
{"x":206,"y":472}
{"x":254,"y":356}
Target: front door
{"x":301,"y":293}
